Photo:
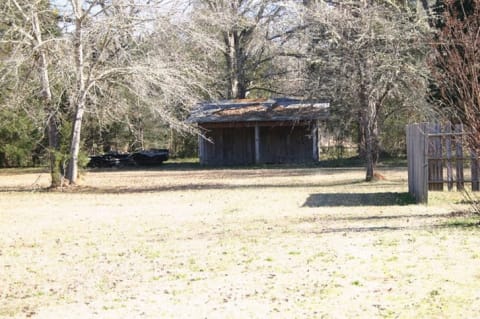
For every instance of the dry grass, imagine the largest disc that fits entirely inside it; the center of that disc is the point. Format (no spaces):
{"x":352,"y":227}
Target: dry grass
{"x":258,"y":243}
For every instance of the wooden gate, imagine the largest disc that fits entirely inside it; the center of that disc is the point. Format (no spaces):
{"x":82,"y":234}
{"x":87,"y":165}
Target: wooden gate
{"x":437,"y":158}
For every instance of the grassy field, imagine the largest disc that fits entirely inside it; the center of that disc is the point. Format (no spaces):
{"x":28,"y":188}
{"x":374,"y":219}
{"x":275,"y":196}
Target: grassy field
{"x":234,"y":243}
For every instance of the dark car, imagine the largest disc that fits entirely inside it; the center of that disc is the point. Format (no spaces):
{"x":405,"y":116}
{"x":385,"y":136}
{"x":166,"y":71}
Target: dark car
{"x":150,"y":157}
{"x":111,"y":159}
{"x":141,"y":158}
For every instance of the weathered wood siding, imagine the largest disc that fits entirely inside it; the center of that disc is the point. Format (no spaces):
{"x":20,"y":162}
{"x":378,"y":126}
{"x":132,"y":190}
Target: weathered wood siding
{"x":286,"y":144}
{"x":417,"y":161}
{"x":230,"y":146}
{"x":234,"y":145}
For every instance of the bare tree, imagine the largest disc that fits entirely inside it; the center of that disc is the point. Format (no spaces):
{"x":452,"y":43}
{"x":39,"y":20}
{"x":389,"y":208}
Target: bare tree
{"x":30,"y":37}
{"x":113,"y":50}
{"x":365,"y":55}
{"x":111,"y":55}
{"x":456,"y":64}
{"x":249,"y":36}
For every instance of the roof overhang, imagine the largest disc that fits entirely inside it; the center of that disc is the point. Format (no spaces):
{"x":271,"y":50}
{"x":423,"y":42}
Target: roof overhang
{"x":259,"y":110}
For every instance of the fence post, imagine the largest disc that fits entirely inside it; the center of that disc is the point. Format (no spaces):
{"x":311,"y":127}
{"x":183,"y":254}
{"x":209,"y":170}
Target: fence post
{"x":417,"y":151}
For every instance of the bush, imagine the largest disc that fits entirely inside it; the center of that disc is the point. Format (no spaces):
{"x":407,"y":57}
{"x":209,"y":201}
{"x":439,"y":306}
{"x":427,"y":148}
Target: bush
{"x":20,"y":139}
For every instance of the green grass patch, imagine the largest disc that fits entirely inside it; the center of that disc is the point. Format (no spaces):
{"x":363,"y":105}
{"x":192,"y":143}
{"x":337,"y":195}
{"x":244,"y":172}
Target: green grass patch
{"x":464,"y":222}
{"x":23,"y":170}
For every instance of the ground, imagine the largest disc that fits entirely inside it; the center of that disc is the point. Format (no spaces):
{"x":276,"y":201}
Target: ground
{"x":183,"y":242}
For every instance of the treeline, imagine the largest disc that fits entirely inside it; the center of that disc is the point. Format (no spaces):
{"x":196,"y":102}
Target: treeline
{"x":83,"y":77}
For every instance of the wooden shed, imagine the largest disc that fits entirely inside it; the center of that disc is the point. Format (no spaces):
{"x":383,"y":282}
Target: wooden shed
{"x":258,"y":131}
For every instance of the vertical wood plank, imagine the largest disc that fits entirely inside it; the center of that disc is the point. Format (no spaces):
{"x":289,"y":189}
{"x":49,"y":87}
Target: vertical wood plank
{"x":430,"y":157}
{"x":219,"y":147}
{"x":257,"y":145}
{"x":474,"y":171}
{"x":315,"y":141}
{"x":201,"y":150}
{"x":435,"y":163}
{"x":417,"y":153}
{"x":459,"y":157}
{"x":423,"y":163}
{"x":408,"y":130}
{"x":439,"y":158}
{"x":448,"y":146}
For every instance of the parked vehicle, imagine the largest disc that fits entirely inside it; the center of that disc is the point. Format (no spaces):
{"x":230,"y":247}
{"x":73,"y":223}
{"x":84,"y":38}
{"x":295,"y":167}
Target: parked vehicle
{"x":150,"y":157}
{"x":111,"y":159}
{"x":141,"y":158}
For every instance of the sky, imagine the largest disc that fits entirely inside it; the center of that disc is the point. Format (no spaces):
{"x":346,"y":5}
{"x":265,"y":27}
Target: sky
{"x":175,"y":9}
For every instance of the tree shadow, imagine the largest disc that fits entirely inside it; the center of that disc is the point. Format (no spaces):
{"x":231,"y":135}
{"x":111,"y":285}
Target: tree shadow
{"x":385,"y":218}
{"x":135,"y":189}
{"x":266,"y":169}
{"x":464,"y":220}
{"x":473,"y":226}
{"x":346,"y":230}
{"x":126,"y":189}
{"x":359,"y":199}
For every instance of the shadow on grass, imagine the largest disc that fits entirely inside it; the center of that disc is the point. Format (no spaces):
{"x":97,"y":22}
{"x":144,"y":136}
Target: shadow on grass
{"x":126,"y":189}
{"x":359,"y":199}
{"x":374,"y":217}
{"x":462,"y":220}
{"x":195,"y":186}
{"x":196,"y":166}
{"x":366,"y":229}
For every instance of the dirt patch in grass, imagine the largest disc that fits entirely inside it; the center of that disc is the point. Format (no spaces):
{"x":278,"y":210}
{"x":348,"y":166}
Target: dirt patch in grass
{"x":233,"y":243}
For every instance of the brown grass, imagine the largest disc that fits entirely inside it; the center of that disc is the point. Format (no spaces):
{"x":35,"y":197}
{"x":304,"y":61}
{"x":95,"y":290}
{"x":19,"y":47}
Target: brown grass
{"x":234,"y":243}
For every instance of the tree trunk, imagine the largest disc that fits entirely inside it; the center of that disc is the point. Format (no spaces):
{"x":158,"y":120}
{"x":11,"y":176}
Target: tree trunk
{"x":56,"y":173}
{"x":362,"y":152}
{"x":80,"y":98}
{"x":370,"y":167}
{"x":46,"y":95}
{"x":368,"y":128}
{"x":369,"y":156}
{"x":371,"y":140}
{"x":75,"y":142}
{"x":234,"y":57}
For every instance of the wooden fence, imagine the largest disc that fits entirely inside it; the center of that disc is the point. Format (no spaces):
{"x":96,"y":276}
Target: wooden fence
{"x":437,"y":157}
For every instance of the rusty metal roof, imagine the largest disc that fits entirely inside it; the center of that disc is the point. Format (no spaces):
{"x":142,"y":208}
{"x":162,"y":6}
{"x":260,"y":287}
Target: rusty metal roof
{"x":259,"y":110}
